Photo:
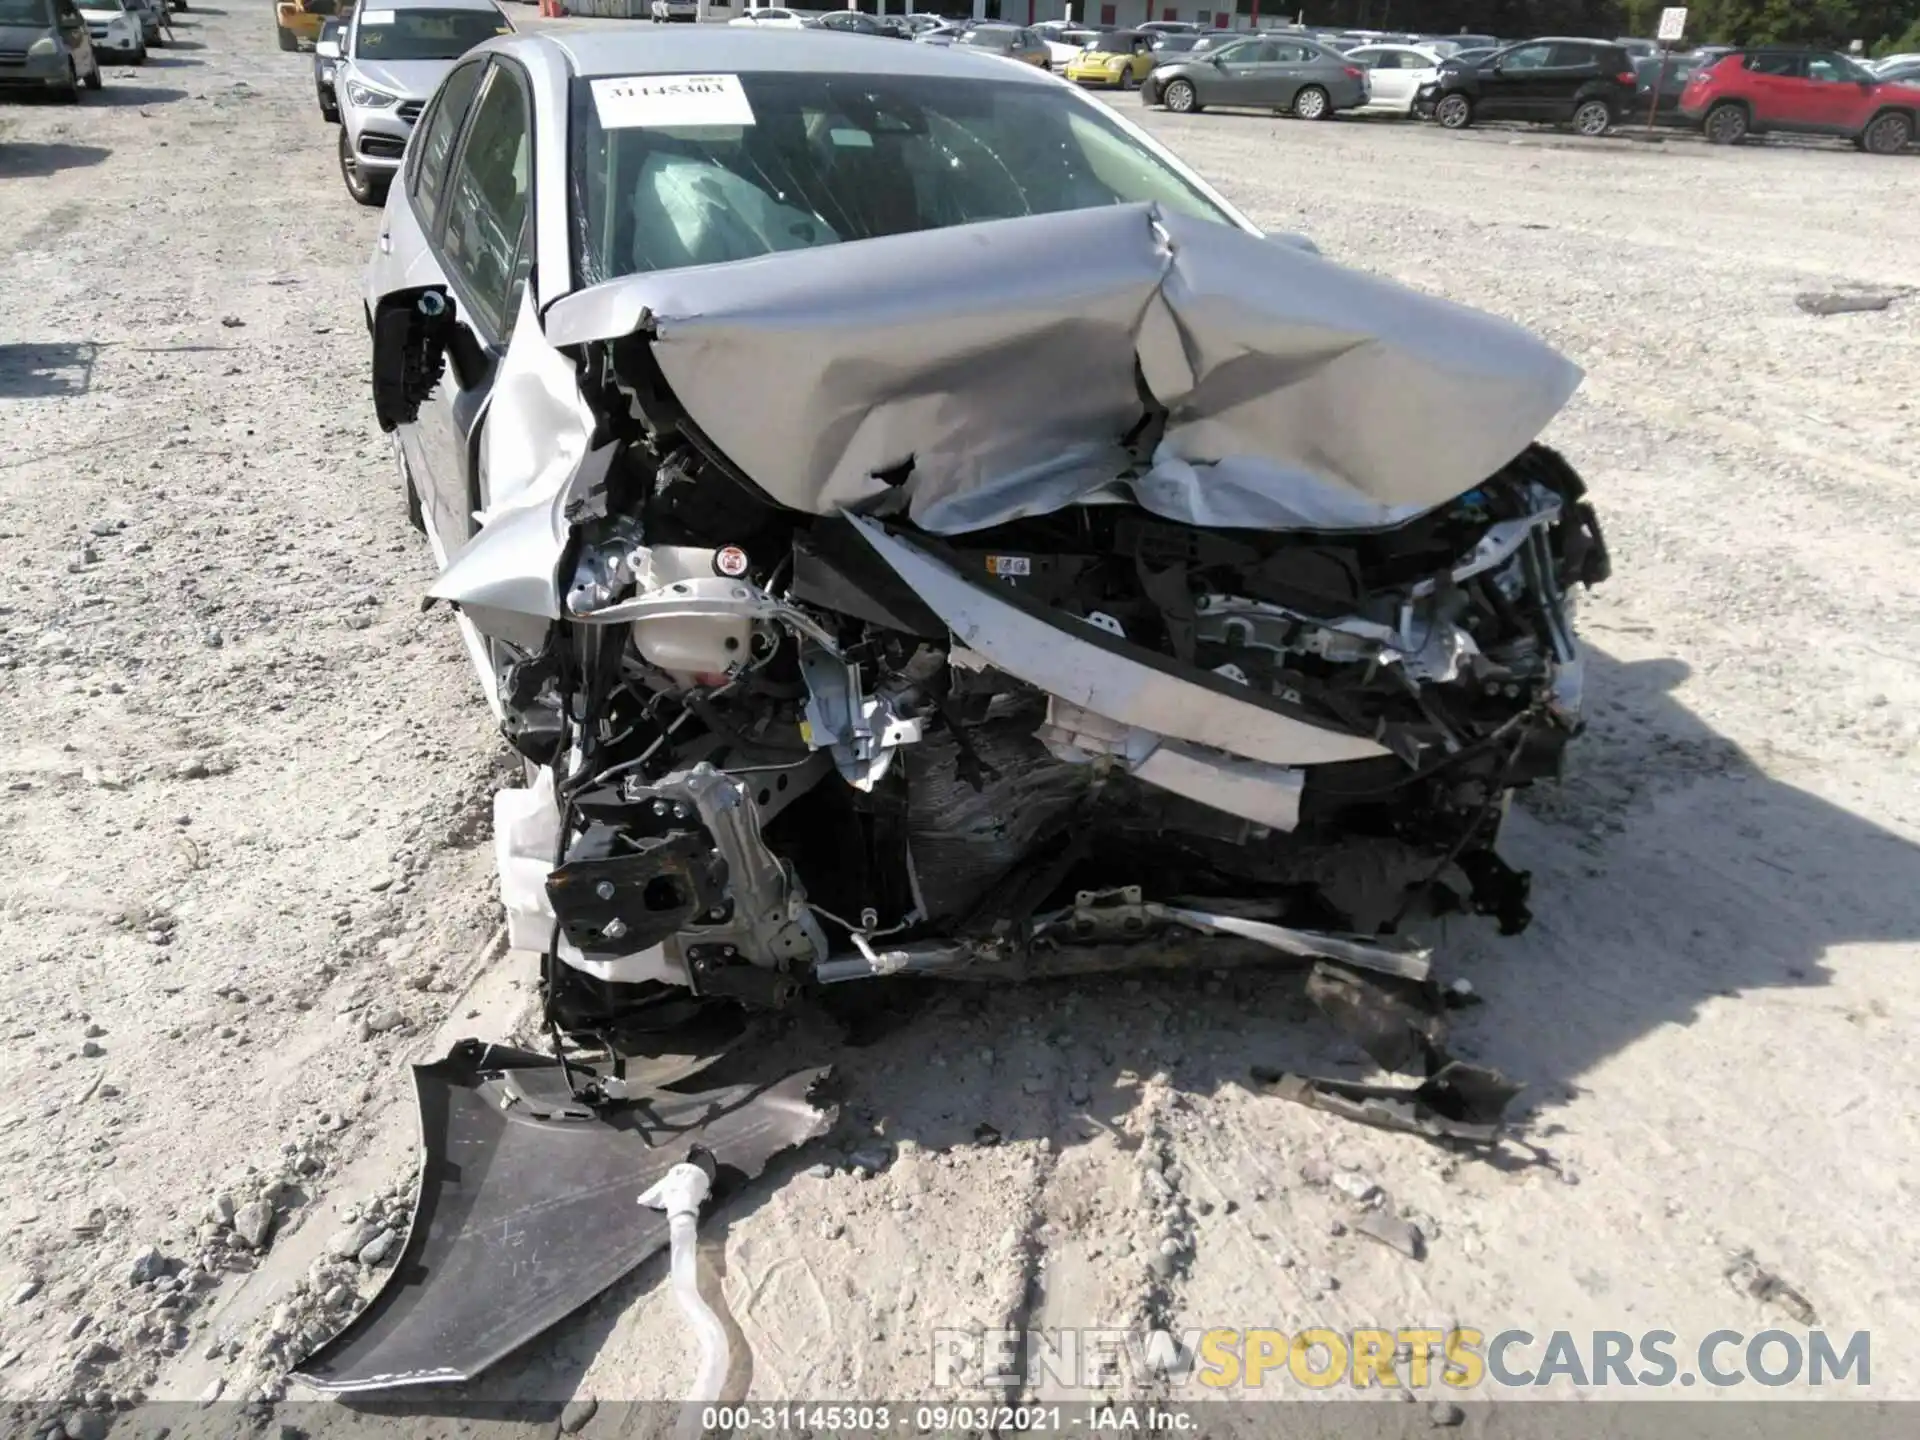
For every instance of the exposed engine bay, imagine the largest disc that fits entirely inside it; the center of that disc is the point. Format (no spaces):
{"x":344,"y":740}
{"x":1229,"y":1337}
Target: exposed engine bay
{"x":777,"y":748}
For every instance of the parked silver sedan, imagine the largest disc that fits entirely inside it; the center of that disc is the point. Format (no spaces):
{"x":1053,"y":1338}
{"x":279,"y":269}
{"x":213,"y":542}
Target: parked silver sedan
{"x":1308,"y":80}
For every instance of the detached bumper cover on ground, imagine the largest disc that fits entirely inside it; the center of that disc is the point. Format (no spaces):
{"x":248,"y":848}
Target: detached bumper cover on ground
{"x":529,"y":1207}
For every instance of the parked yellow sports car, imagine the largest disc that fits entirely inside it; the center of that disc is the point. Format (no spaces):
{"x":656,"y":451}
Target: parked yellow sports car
{"x":1118,"y":60}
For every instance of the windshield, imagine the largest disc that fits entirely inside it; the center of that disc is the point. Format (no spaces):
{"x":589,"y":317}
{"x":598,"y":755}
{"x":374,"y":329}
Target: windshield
{"x":424,"y":34}
{"x":988,"y":39}
{"x":783,"y":161}
{"x":24,"y":12}
{"x":1113,"y":41}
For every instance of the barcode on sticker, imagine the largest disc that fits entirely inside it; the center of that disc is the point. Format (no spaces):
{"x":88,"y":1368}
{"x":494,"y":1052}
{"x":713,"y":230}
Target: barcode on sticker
{"x":635,"y":102}
{"x":1009,"y":565}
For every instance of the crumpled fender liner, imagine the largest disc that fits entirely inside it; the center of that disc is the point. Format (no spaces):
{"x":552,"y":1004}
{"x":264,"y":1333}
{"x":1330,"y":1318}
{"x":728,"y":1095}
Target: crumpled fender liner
{"x":528,"y":1207}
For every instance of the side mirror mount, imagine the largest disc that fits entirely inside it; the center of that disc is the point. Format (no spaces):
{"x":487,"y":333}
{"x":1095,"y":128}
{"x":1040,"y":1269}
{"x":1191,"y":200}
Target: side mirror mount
{"x":412,"y":333}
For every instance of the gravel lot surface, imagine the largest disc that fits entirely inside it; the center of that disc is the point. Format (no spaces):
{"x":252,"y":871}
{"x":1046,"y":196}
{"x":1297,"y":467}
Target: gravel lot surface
{"x":244,"y":872}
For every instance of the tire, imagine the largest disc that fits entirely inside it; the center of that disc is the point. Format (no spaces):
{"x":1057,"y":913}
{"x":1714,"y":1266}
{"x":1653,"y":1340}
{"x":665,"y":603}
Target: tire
{"x":1127,"y":82}
{"x":365,"y":190}
{"x":1887,"y":134}
{"x":94,"y":78}
{"x":329,"y":113}
{"x":1312,"y":103}
{"x":1179,"y":97}
{"x":1453,"y":112}
{"x":1592,"y":118}
{"x":71,"y":95}
{"x":140,"y":55}
{"x":285,"y":37}
{"x":1727,"y":124}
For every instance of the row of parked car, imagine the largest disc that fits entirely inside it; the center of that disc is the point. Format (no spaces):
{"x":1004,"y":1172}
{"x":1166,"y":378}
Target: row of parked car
{"x":58,"y":46}
{"x":1586,"y":84}
{"x":1727,"y":92}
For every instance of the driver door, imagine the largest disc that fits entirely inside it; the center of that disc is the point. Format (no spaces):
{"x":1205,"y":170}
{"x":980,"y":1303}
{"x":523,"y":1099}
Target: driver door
{"x":1510,"y":86}
{"x":1239,"y":71}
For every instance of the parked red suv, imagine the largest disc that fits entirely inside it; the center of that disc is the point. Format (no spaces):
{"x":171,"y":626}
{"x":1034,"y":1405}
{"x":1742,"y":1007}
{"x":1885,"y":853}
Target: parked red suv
{"x":1811,"y":92}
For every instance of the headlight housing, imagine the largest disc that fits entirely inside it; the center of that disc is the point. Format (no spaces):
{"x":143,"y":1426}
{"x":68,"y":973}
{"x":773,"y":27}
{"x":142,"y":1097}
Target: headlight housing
{"x":368,"y":98}
{"x":43,"y":46}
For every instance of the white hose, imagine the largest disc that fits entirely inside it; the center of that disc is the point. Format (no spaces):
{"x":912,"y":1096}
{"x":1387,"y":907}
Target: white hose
{"x":680,"y":1193}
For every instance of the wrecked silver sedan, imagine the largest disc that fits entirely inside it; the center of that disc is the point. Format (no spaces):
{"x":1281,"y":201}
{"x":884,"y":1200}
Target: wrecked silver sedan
{"x":909,"y":522}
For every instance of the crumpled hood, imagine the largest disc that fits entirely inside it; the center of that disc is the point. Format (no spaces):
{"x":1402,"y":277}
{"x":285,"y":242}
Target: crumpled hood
{"x":407,"y":79}
{"x":1007,"y":361}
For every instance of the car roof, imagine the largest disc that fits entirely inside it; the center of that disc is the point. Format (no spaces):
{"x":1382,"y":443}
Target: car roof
{"x":695,"y":49}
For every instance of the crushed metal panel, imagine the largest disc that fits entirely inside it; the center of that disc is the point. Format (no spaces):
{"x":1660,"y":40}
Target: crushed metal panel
{"x":1103,"y":680}
{"x":529,"y":1207}
{"x":1458,"y":1102}
{"x":1300,"y":393}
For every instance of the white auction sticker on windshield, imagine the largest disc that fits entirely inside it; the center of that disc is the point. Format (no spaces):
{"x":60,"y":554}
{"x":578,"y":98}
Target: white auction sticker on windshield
{"x":671,"y":101}
{"x":375,"y":17}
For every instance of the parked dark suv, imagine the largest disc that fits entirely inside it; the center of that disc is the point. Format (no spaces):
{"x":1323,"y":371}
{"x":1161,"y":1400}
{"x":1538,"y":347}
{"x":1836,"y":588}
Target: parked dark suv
{"x":1587,"y":84}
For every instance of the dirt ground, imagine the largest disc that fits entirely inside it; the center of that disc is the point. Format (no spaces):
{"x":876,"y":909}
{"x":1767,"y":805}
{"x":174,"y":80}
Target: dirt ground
{"x":245,"y":877}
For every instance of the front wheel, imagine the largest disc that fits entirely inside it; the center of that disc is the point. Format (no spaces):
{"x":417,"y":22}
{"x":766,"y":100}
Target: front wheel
{"x":140,"y":55}
{"x":1592,"y":117}
{"x":1454,"y":112}
{"x":1127,"y":80}
{"x":1179,"y":97}
{"x":368,"y":190}
{"x":94,"y":78}
{"x":1727,"y":124}
{"x":1312,"y":104}
{"x":1887,"y":134}
{"x":71,"y":95}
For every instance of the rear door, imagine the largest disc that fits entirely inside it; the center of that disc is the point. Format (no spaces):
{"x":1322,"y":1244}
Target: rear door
{"x":1390,"y":74}
{"x":1570,"y":68}
{"x":1777,"y":88}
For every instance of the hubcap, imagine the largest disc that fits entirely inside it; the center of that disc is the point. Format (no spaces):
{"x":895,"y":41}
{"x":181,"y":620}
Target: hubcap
{"x":1180,"y":96}
{"x":1889,"y":132}
{"x":1593,"y":119}
{"x":1310,"y":105}
{"x":1453,"y":112}
{"x":1727,"y":124}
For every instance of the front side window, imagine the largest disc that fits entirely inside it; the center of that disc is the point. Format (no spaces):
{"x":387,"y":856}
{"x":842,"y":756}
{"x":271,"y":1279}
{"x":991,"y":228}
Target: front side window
{"x":830,"y":158}
{"x":424,"y":34}
{"x":489,"y":194}
{"x":1835,"y":70}
{"x":427,"y":158}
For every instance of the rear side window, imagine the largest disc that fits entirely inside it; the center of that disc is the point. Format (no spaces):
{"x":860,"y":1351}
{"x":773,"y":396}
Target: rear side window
{"x":427,"y":158}
{"x":1573,"y":57}
{"x":1777,"y":63}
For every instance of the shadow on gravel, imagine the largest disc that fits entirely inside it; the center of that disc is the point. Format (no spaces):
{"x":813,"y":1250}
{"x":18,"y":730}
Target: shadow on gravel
{"x":1668,"y":870}
{"x":23,"y":159}
{"x":169,"y":62}
{"x":128,"y":96}
{"x":40,"y":372}
{"x":173,"y":45}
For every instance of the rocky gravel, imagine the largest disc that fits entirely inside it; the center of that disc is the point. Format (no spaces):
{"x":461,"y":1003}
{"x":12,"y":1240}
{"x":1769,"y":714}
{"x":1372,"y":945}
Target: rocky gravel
{"x":244,"y":875}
